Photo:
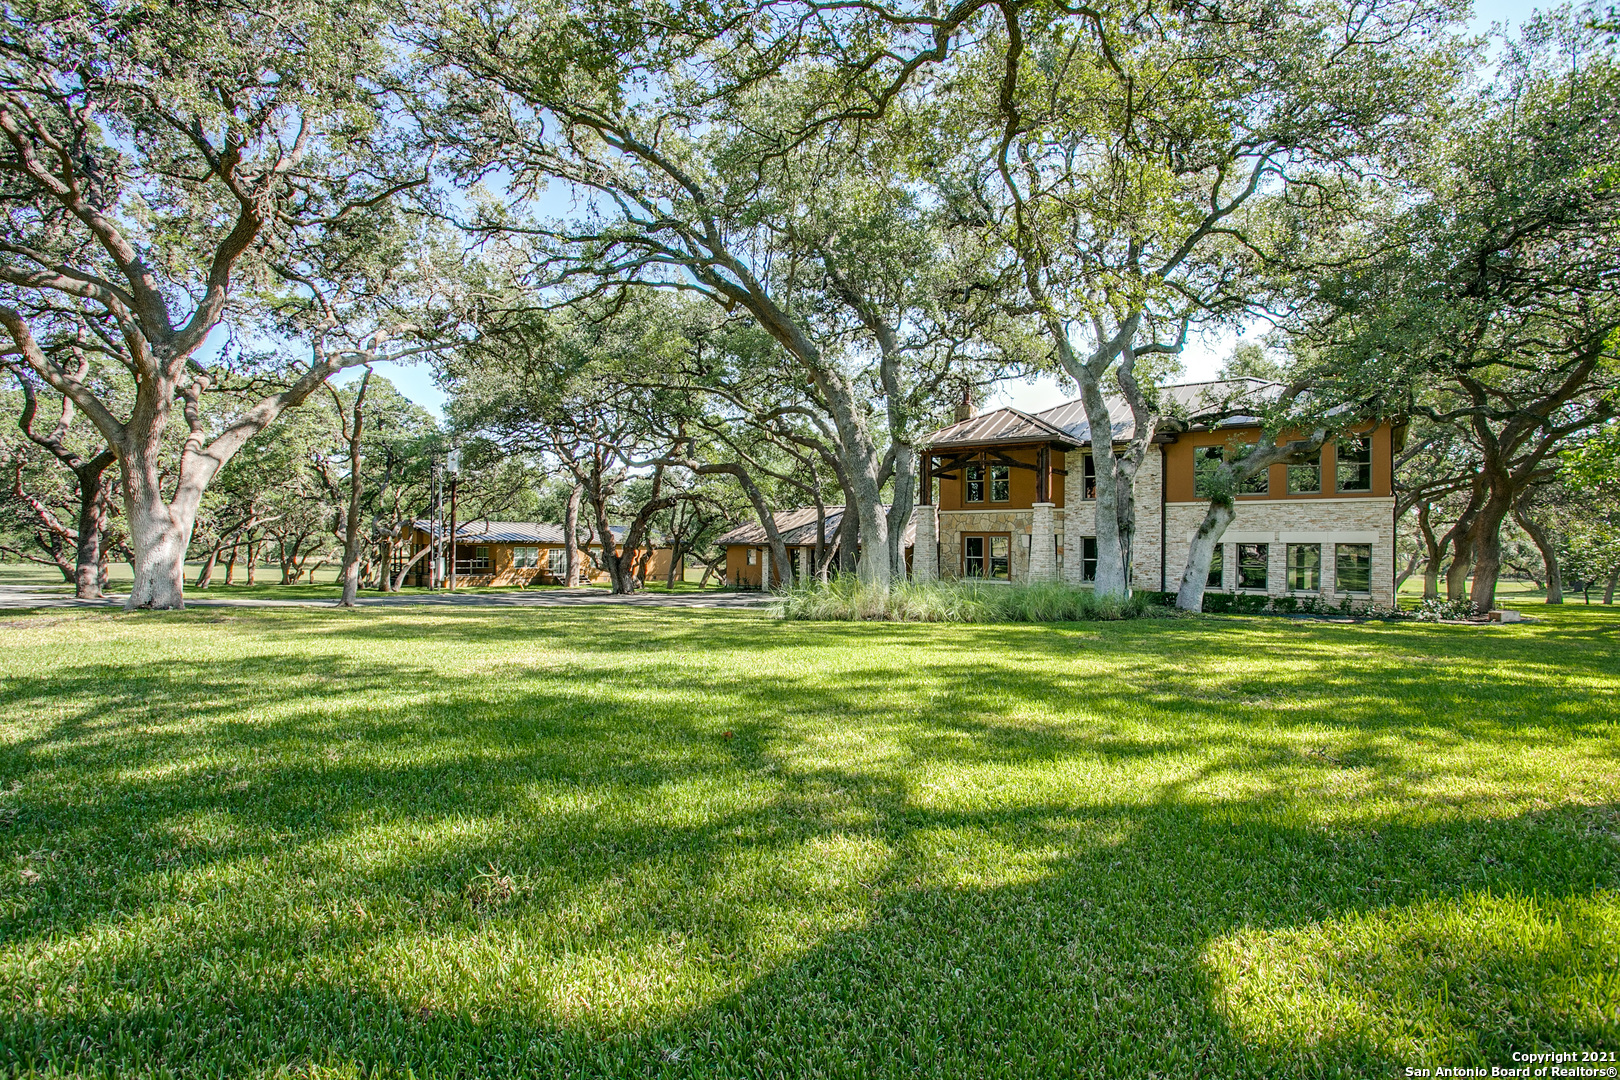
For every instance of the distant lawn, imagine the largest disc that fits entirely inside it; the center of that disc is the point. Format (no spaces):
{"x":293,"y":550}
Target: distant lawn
{"x":631,"y":843}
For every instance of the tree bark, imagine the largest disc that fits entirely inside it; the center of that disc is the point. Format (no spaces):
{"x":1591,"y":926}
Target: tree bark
{"x":350,"y":573}
{"x":1544,"y":544}
{"x":1608,"y":589}
{"x":1200,"y":551}
{"x":571,"y":536}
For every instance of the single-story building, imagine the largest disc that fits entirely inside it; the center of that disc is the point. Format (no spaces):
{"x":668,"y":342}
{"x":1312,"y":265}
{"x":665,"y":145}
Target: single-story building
{"x":748,"y":548}
{"x":520,"y":553}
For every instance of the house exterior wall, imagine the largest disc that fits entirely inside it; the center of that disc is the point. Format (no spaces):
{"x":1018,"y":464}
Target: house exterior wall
{"x":1180,"y":473}
{"x":1022,"y":493}
{"x":1280,"y":522}
{"x":502,"y":572}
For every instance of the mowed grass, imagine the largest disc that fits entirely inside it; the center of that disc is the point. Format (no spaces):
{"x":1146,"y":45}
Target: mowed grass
{"x":630,"y":842}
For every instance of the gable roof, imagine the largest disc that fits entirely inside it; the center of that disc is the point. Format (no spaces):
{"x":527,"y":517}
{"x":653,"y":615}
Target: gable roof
{"x":796,"y":527}
{"x":516,"y":532}
{"x":1066,"y":423}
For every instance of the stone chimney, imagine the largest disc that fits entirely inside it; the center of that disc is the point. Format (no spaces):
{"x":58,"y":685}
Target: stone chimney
{"x":964,"y":408}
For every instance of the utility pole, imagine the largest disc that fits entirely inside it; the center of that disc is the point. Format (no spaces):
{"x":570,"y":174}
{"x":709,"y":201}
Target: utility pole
{"x":453,"y":466}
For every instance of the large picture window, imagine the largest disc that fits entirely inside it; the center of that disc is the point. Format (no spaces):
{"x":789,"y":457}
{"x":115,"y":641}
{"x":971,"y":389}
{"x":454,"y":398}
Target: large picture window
{"x":973,"y":489}
{"x":987,"y":556}
{"x":1252,"y":562}
{"x":1307,"y":475}
{"x":1216,"y":568}
{"x":557,"y":561}
{"x":1354,"y":465}
{"x":525,"y":558}
{"x":1353,"y":572}
{"x":1305,"y":567}
{"x":1000,"y":483}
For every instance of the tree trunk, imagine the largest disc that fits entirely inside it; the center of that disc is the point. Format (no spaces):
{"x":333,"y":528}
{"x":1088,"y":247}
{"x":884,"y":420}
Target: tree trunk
{"x":1190,"y":593}
{"x":1486,"y":544}
{"x":253,"y":560}
{"x":159,"y":531}
{"x":230,"y":569}
{"x":399,"y":579}
{"x":1432,"y":551}
{"x":571,"y":536}
{"x":89,"y":578}
{"x":1544,"y":544}
{"x":350,"y":574}
{"x":205,"y":576}
{"x":849,"y":539}
{"x":1112,"y":577}
{"x":905,"y":493}
{"x":1608,"y":590}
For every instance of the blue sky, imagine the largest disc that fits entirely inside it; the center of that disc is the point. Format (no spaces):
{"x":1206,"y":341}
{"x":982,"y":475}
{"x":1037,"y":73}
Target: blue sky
{"x":1202,"y":358}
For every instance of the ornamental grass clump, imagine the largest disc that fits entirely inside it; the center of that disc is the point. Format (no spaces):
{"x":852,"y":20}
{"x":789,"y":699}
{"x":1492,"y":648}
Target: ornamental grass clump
{"x":847,"y":599}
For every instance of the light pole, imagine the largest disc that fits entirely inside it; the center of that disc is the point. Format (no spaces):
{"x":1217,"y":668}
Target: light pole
{"x":453,"y":467}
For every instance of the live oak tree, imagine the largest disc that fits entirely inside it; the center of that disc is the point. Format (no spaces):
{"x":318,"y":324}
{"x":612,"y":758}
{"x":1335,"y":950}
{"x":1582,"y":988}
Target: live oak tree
{"x":163,"y":170}
{"x":748,"y":156}
{"x":1489,"y":299}
{"x":1144,"y":167}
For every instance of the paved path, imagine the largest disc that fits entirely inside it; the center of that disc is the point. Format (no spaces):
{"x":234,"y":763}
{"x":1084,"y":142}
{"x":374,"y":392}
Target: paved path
{"x":17,"y":597}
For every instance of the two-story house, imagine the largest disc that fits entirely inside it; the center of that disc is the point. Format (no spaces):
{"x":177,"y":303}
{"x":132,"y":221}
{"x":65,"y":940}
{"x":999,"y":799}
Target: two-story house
{"x":1011,"y":496}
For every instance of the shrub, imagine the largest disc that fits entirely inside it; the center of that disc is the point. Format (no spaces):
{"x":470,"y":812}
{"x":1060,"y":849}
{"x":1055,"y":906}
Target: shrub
{"x":846,"y":599}
{"x":1433,"y":609}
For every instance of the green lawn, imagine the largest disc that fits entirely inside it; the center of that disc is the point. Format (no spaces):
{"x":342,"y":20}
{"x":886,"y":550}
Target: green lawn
{"x":550,"y":842}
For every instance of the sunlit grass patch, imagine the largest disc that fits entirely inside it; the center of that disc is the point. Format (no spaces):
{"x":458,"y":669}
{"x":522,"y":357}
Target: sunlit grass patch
{"x":639,"y":842}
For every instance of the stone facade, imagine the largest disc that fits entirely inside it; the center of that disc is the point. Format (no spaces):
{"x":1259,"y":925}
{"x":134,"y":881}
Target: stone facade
{"x":1278,"y":523}
{"x":953,"y":523}
{"x":925,"y":556}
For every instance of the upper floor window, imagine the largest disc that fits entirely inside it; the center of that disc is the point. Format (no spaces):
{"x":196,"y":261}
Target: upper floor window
{"x":1000,"y":483}
{"x":1354,"y":470}
{"x":974,"y":488}
{"x":1088,"y":477}
{"x":1208,"y":459}
{"x":1307,"y":475}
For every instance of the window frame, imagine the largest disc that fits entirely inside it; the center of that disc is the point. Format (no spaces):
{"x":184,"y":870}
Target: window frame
{"x":1338,"y":569}
{"x":1292,"y":568}
{"x":1216,"y":578}
{"x":988,"y":557}
{"x":1361,"y":463}
{"x":1000,"y":480}
{"x":1264,"y":563}
{"x":969,"y":481}
{"x":1314,"y":467}
{"x":1088,"y":558}
{"x":1088,"y":478}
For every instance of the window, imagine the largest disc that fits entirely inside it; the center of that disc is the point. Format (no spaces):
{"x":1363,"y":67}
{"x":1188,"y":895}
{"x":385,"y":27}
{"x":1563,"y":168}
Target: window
{"x":1088,"y":478}
{"x":1217,"y":564}
{"x":1206,"y":459}
{"x":987,"y":557}
{"x":1354,"y":569}
{"x":557,"y":561}
{"x":1252,"y":559}
{"x":1354,"y":469}
{"x":1305,"y":567}
{"x":1000,"y":483}
{"x":752,"y":555}
{"x":1307,"y":475}
{"x":975,"y":484}
{"x":1258,"y":484}
{"x":1088,"y":558}
{"x":472,"y":559}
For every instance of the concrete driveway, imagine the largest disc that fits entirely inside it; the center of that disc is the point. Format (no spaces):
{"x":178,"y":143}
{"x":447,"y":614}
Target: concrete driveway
{"x":17,"y":597}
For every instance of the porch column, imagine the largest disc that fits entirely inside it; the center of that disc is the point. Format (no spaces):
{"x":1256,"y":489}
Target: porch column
{"x":1043,"y":543}
{"x":925,"y":553}
{"x":1330,"y":569}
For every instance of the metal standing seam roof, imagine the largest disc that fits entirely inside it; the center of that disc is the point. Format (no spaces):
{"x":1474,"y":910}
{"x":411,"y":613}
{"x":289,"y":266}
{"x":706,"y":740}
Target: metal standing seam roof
{"x":515,"y":532}
{"x":797,"y":528}
{"x":1068,"y":420}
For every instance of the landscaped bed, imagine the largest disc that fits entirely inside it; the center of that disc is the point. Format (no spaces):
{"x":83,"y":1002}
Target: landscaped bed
{"x":654,"y":842}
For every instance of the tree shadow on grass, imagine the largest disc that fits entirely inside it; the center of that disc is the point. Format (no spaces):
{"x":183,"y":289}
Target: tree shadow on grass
{"x":570,"y":867}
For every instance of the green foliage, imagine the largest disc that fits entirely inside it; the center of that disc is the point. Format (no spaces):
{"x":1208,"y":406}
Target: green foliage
{"x":846,"y":599}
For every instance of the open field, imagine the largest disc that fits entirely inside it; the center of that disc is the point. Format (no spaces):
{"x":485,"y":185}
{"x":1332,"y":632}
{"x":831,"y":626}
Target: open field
{"x":657,"y":843}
